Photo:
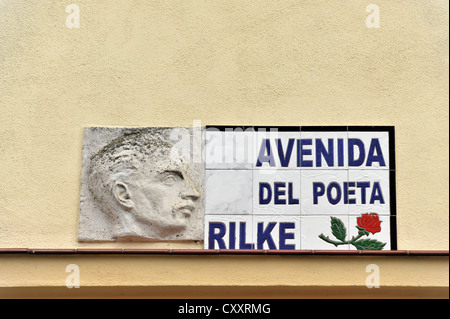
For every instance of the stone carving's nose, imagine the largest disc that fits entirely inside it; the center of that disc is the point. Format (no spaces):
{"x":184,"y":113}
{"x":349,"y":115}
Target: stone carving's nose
{"x":190,"y":192}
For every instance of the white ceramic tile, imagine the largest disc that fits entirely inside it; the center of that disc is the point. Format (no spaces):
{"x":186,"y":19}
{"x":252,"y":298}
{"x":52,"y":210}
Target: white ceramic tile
{"x":276,"y":192}
{"x":275,"y":150}
{"x":375,"y":143}
{"x":228,"y":192}
{"x":276,"y":232}
{"x":228,"y":232}
{"x":377,"y":194}
{"x":324,"y":150}
{"x":322,"y":192}
{"x":229,"y":149}
{"x":383,"y":236}
{"x":314,"y":226}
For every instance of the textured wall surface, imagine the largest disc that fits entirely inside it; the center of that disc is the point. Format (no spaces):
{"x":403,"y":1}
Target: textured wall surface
{"x":190,"y":271}
{"x":167,"y":63}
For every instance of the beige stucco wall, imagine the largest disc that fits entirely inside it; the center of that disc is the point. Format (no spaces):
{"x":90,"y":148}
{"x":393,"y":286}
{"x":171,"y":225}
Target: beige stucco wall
{"x":167,"y":63}
{"x":224,"y":276}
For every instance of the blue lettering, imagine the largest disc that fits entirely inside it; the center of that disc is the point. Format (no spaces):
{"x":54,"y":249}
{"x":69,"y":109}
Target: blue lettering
{"x":284,"y":159}
{"x":284,"y":236}
{"x":321,"y":151}
{"x":213,"y":236}
{"x":292,"y":200}
{"x":262,"y":199}
{"x":265,"y":145}
{"x":301,"y":152}
{"x":279,"y":192}
{"x":375,"y":148}
{"x":376,"y":194}
{"x":324,"y":153}
{"x":318,"y":190}
{"x":331,"y":199}
{"x":363,"y":186}
{"x":340,"y":152}
{"x":232,"y":236}
{"x":264,"y":235}
{"x":348,"y":192}
{"x":242,"y":243}
{"x":335,"y":193}
{"x":352,"y":142}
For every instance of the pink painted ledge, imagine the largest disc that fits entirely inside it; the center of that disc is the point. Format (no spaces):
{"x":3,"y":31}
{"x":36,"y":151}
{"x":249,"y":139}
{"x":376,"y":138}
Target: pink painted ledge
{"x":84,"y":251}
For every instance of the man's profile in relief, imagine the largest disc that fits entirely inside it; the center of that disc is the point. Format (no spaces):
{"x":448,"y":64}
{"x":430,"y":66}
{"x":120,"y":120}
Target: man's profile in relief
{"x":143,"y":189}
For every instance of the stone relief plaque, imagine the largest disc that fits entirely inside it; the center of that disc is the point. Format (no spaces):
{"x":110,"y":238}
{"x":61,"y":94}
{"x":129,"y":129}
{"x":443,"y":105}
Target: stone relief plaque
{"x":140,"y":184}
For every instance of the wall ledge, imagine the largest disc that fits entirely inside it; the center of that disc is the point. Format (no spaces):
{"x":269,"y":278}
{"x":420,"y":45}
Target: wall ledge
{"x":84,"y":251}
{"x":179,"y":295}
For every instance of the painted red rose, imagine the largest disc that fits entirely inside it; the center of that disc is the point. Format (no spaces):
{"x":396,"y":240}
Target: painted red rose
{"x":370,"y":222}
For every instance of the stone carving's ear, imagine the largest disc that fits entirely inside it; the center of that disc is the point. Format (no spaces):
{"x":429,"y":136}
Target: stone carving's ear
{"x":123,"y":195}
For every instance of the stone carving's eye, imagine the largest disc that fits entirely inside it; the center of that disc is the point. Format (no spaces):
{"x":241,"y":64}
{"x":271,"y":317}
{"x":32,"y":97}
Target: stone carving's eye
{"x":169,"y":180}
{"x":171,"y":177}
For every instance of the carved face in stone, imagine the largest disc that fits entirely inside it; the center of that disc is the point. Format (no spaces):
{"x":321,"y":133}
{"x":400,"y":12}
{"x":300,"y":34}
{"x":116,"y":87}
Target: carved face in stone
{"x":164,"y":199}
{"x":144,"y":189}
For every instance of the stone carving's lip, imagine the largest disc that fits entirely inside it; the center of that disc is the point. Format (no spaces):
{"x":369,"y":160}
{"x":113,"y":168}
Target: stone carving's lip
{"x":185,"y":209}
{"x":191,"y":207}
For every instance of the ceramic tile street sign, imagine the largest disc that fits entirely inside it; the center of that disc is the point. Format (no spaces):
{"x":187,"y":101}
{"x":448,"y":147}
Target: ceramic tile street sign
{"x":311,"y":188}
{"x":241,"y":187}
